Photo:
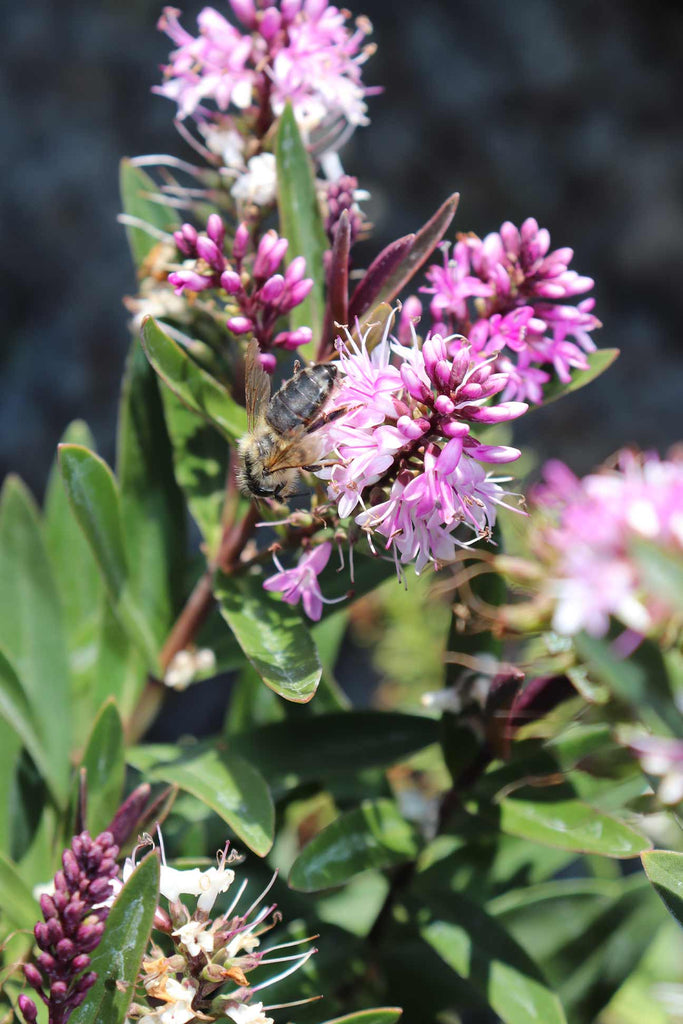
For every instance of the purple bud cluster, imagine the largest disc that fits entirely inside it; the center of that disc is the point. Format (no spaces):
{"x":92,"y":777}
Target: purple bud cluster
{"x":72,"y":927}
{"x":340,"y":196}
{"x":255,"y":286}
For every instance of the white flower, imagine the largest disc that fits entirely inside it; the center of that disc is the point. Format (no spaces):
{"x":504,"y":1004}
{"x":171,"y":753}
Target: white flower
{"x":244,"y":1014}
{"x":207,"y":885}
{"x":195,"y":937}
{"x":259,"y":182}
{"x":179,"y":996}
{"x":181,"y":670}
{"x":243,"y":942}
{"x":226,"y":143}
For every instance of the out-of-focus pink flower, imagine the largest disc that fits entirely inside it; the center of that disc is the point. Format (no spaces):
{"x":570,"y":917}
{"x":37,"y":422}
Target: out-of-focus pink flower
{"x":301,"y":582}
{"x":585,"y":535}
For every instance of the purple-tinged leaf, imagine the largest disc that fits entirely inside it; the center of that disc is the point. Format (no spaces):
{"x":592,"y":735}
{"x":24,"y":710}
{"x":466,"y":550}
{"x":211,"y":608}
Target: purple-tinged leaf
{"x":337,"y":308}
{"x":382,"y":269}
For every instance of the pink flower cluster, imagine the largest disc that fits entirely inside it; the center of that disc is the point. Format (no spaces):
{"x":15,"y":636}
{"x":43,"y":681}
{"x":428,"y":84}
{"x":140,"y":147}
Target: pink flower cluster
{"x":261,"y":294}
{"x":301,"y":582}
{"x":300,"y":51}
{"x":585,"y":538}
{"x":507,"y":293}
{"x":403,"y":449}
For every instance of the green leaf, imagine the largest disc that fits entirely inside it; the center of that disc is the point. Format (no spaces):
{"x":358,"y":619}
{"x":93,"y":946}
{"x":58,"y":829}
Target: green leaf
{"x":32,"y":630}
{"x":76,"y":573}
{"x":17,"y":710}
{"x":94,"y":498}
{"x":272,"y":635}
{"x":641,"y":680}
{"x":10,"y":751}
{"x":197,"y":389}
{"x":380,"y":1015}
{"x":661,"y":570}
{"x":664,"y":868}
{"x":568,"y":825}
{"x":201,"y":459}
{"x":312,"y":748}
{"x":104,"y":763}
{"x":16,"y":899}
{"x":152,"y":507}
{"x":300,"y":219}
{"x":227,"y":784}
{"x":117,"y":958}
{"x":120,"y":668}
{"x":136,"y":188}
{"x":598,"y":362}
{"x":373,"y":835}
{"x":475,"y":946}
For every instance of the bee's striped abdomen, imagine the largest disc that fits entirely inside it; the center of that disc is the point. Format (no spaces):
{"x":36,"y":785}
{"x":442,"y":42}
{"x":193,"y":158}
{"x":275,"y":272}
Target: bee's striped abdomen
{"x":300,"y":399}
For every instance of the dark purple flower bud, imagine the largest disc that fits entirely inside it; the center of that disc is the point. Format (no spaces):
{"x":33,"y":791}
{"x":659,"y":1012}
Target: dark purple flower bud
{"x":58,"y":990}
{"x":28,"y":1009}
{"x":47,"y":905}
{"x":47,"y":962}
{"x":33,"y":976}
{"x":100,"y":890}
{"x":80,"y":962}
{"x":415,"y":387}
{"x":241,"y":243}
{"x":61,"y":888}
{"x":210,"y":252}
{"x":240,"y":325}
{"x":54,"y":930}
{"x":71,"y":869}
{"x":231,"y":281}
{"x":296,"y":294}
{"x":275,"y":256}
{"x":128,"y":814}
{"x":42,"y":935}
{"x":65,"y":949}
{"x":189,"y":233}
{"x":89,"y":935}
{"x":182,"y":244}
{"x":215,"y":229}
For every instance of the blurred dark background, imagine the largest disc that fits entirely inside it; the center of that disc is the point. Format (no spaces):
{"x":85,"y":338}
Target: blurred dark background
{"x":567,"y":112}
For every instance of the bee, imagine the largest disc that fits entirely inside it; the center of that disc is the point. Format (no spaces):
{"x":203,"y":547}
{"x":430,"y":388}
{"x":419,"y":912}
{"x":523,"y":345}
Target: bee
{"x":280,"y":438}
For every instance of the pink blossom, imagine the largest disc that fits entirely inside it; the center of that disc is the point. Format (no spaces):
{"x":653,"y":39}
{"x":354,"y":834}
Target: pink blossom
{"x":301,"y":583}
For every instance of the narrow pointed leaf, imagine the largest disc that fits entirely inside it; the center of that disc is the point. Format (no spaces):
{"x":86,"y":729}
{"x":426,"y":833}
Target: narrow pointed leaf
{"x":120,"y":667}
{"x":380,"y":1015}
{"x":197,"y":389}
{"x":16,"y":709}
{"x":272,"y":635}
{"x":664,"y":868}
{"x":200,"y":457}
{"x":137,"y":188}
{"x":370,"y":286}
{"x":475,"y":946}
{"x":32,"y":628}
{"x":300,"y":219}
{"x":104,"y":763}
{"x":16,"y":899}
{"x":338,"y":298}
{"x":94,"y":498}
{"x":117,"y":958}
{"x":598,"y":362}
{"x":373,"y":835}
{"x":426,"y":240}
{"x":152,"y":507}
{"x":227,"y":784}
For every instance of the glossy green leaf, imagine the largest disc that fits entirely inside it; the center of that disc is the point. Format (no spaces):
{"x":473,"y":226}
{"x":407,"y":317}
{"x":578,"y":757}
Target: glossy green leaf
{"x":17,"y":710}
{"x":137,"y":188}
{"x":664,"y":868}
{"x":273,"y":636}
{"x":227,"y":784}
{"x":569,"y":825}
{"x":152,"y":507}
{"x":201,"y":458}
{"x":10,"y":751}
{"x":76,"y":573}
{"x":313,"y":748}
{"x":16,"y":899}
{"x":641,"y":680}
{"x":117,"y":958}
{"x":598,"y":362}
{"x":120,"y":667}
{"x":380,"y":1015}
{"x":32,"y":630}
{"x":475,"y":946}
{"x":373,"y":835}
{"x":95,"y":501}
{"x":197,"y":389}
{"x":104,"y":763}
{"x":300,"y":219}
{"x":661,"y":570}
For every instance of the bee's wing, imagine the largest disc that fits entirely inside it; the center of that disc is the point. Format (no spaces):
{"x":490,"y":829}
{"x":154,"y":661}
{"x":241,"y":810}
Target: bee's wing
{"x":256,"y":384}
{"x":302,"y":451}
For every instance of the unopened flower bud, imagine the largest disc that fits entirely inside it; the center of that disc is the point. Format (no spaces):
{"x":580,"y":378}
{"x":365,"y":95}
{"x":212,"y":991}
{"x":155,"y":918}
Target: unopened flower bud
{"x":244,"y":11}
{"x":240,"y":325}
{"x":209,"y":251}
{"x":231,"y":281}
{"x":297,"y":293}
{"x":268,"y":361}
{"x":28,"y":1009}
{"x":296,"y":270}
{"x":241,"y":243}
{"x":269,"y":23}
{"x":215,"y":229}
{"x":33,"y":976}
{"x":272,"y":289}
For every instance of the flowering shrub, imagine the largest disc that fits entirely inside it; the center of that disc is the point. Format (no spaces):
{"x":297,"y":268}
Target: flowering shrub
{"x":450,"y":837}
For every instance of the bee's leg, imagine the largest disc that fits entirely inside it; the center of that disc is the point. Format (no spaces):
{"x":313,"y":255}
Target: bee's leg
{"x":297,"y":365}
{"x":324,"y":419}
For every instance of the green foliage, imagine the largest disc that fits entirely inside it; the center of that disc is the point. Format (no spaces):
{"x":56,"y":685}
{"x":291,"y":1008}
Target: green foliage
{"x":598,"y":362}
{"x":137,"y":191}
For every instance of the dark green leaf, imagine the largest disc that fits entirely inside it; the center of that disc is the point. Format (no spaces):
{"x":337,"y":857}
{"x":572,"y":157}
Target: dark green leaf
{"x":136,"y":190}
{"x":312,"y":748}
{"x":300,"y":219}
{"x":16,"y":899}
{"x":120,"y":668}
{"x":117,"y":958}
{"x":17,"y":710}
{"x":104,"y":763}
{"x":373,"y":835}
{"x":380,"y":1015}
{"x":10,"y":748}
{"x":664,"y":868}
{"x":194,"y":387}
{"x":661,"y":570}
{"x":569,"y":825}
{"x":475,"y":946}
{"x":641,"y":680}
{"x":94,"y":498}
{"x":32,"y":630}
{"x":272,"y":635}
{"x":201,"y":467}
{"x":598,"y":362}
{"x":227,"y":784}
{"x":152,"y":507}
